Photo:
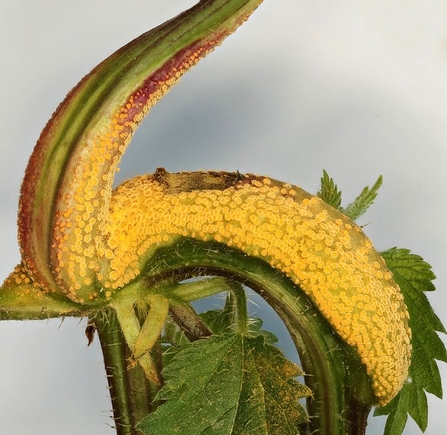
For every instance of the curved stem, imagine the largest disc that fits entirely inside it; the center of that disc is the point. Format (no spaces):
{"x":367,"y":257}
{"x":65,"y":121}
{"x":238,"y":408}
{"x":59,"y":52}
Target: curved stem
{"x":340,"y":385}
{"x":340,"y":388}
{"x":70,"y":173}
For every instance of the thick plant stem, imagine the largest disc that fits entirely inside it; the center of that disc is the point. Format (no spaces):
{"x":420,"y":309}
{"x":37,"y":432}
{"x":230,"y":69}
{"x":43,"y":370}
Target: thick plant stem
{"x":131,"y":393}
{"x":342,"y":394}
{"x":336,"y":405}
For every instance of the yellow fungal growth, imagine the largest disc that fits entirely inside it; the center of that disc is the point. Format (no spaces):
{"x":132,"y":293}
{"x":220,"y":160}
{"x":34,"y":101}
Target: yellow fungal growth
{"x":319,"y":248}
{"x":19,"y":277}
{"x":84,"y":243}
{"x":66,"y":190}
{"x":84,"y":195}
{"x":19,"y":293}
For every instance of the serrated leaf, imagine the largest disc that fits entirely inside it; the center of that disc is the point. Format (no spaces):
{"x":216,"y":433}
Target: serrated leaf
{"x":281,"y":390}
{"x":419,"y":407}
{"x":411,"y":400}
{"x":412,"y":267}
{"x":173,"y":334}
{"x":363,"y":201}
{"x":231,"y":384}
{"x":220,"y":322}
{"x":329,"y":192}
{"x":397,"y":411}
{"x":255,"y":329}
{"x":173,"y":340}
{"x":414,"y":276}
{"x":424,"y":370}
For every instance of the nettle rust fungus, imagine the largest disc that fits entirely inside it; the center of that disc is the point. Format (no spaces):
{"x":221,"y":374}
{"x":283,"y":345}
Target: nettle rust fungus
{"x":320,"y":249}
{"x":85,"y":193}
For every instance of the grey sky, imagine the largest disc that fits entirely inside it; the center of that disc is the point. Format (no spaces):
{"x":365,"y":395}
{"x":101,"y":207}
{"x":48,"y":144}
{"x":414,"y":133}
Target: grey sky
{"x":357,"y":88}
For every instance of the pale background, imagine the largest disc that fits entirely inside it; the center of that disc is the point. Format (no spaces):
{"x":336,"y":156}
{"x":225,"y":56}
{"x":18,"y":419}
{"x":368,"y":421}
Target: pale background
{"x":357,"y":88}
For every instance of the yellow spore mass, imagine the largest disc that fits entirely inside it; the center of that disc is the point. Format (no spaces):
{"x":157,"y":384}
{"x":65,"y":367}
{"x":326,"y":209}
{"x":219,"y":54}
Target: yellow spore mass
{"x":317,"y":247}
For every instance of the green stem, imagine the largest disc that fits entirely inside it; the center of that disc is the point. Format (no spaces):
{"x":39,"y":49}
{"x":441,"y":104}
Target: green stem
{"x":192,"y":291}
{"x":131,"y":394}
{"x":341,"y":389}
{"x":238,"y":299}
{"x":335,"y":376}
{"x":141,"y":331}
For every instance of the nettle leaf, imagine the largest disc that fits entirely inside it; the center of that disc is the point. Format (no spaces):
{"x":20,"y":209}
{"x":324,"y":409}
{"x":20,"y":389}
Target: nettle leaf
{"x":281,"y":389}
{"x":173,"y":334}
{"x":255,"y":329}
{"x":329,"y":192}
{"x":414,"y":276}
{"x":221,"y":322}
{"x":363,"y":201}
{"x":331,"y":195}
{"x":245,"y":387}
{"x":173,"y":341}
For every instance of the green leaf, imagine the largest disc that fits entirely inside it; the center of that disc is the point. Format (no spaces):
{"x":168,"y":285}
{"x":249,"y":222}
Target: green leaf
{"x":414,"y":276}
{"x":281,"y":390}
{"x":255,"y":329}
{"x":173,"y":334}
{"x":220,"y":322}
{"x":245,"y":387}
{"x":412,"y":401}
{"x":363,"y":201}
{"x":331,"y":195}
{"x":397,"y":411}
{"x":173,"y":341}
{"x":329,"y":192}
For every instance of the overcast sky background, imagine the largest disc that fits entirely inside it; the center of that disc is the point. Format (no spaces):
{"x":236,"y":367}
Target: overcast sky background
{"x":357,"y":88}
